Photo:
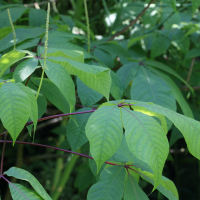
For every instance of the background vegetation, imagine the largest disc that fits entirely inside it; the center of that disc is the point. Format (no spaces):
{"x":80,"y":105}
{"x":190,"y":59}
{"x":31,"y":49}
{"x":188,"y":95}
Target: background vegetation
{"x":168,"y":33}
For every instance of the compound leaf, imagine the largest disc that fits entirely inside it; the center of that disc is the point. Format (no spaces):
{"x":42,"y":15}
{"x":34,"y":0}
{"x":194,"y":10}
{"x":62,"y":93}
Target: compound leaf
{"x":15,"y":108}
{"x":110,"y":186}
{"x":24,"y":175}
{"x":29,"y":194}
{"x":146,"y":140}
{"x":61,"y":78}
{"x":25,"y":69}
{"x":33,"y":101}
{"x":104,"y":132}
{"x":9,"y":59}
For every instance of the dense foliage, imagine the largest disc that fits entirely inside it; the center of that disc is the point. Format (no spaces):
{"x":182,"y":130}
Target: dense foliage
{"x":100,"y":99}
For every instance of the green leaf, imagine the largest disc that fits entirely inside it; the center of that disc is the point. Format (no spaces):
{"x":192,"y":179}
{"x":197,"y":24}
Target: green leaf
{"x":191,"y":31}
{"x":96,"y":77}
{"x":53,"y":94}
{"x":33,"y":101}
{"x":84,"y":27}
{"x":22,"y":34}
{"x":193,"y":53}
{"x":176,"y":93}
{"x":195,"y":5}
{"x":67,"y":20}
{"x":24,"y":175}
{"x":132,"y":190}
{"x":174,"y":19}
{"x":146,"y":140}
{"x":159,"y":46}
{"x":127,"y":72}
{"x":189,"y":127}
{"x":57,"y":53}
{"x":15,"y":13}
{"x":104,"y":132}
{"x":42,"y":106}
{"x":114,"y":48}
{"x":166,"y":187}
{"x":148,"y":87}
{"x":6,"y":81}
{"x":169,"y":70}
{"x":25,"y":69}
{"x":69,"y":46}
{"x":151,"y":113}
{"x":105,"y":57}
{"x":117,"y":88}
{"x":37,"y":17}
{"x":61,"y":78}
{"x":28,"y":44}
{"x":87,"y":95}
{"x":124,"y":156}
{"x":110,"y":186}
{"x":136,"y":39}
{"x":76,"y":134}
{"x":9,"y":59}
{"x":175,"y":135}
{"x":171,"y":3}
{"x":15,"y":109}
{"x":29,"y":194}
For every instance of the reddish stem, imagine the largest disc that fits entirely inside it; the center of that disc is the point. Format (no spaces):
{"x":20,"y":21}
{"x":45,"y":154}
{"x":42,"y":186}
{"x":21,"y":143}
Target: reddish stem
{"x":28,"y":80}
{"x":14,"y":187}
{"x":80,"y":106}
{"x":60,"y":115}
{"x":46,"y":146}
{"x":3,"y":151}
{"x":132,"y":22}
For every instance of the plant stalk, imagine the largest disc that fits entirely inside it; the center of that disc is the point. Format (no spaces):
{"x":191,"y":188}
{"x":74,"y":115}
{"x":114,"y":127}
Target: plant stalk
{"x":46,"y":47}
{"x":65,"y":177}
{"x":59,"y":161}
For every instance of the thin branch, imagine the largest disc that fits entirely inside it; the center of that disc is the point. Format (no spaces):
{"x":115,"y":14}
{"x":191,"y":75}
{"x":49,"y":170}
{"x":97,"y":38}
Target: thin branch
{"x":2,"y":134}
{"x":80,"y":106}
{"x":46,"y":48}
{"x":185,"y":87}
{"x":3,"y":151}
{"x":191,"y":68}
{"x":28,"y":80}
{"x":161,"y":23}
{"x":132,"y":22}
{"x":50,"y":147}
{"x":14,"y":187}
{"x":164,"y":20}
{"x":60,"y":115}
{"x":51,"y":117}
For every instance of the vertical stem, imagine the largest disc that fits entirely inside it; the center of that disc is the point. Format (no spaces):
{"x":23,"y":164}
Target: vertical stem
{"x":45,"y":46}
{"x":59,"y":161}
{"x":13,"y":29}
{"x":191,"y":68}
{"x":54,"y":7}
{"x":3,"y":151}
{"x":88,"y":24}
{"x":65,"y":177}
